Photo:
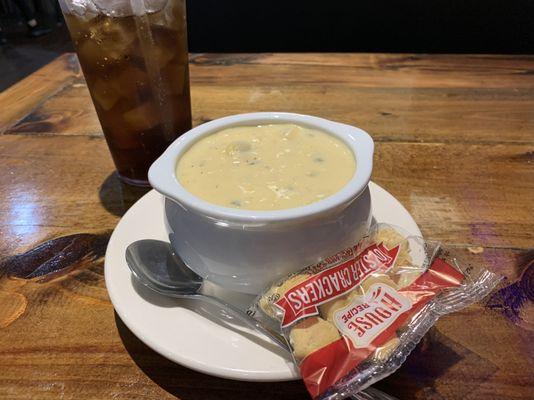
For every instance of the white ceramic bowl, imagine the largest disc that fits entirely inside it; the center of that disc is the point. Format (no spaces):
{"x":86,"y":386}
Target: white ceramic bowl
{"x":245,"y":250}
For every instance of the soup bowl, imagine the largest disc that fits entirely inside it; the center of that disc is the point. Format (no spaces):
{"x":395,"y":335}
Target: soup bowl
{"x":246,"y":250}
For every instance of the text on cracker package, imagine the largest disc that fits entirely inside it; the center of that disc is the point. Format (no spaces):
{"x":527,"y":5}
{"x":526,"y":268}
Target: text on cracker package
{"x":352,"y":319}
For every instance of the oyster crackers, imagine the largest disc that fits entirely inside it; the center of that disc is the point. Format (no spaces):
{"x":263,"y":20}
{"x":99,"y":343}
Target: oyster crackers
{"x":353,"y":318}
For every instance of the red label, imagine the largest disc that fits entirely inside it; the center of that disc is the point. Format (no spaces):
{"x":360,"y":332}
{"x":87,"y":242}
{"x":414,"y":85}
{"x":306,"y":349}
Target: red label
{"x":369,"y":315}
{"x":303,"y":299}
{"x":326,"y":366}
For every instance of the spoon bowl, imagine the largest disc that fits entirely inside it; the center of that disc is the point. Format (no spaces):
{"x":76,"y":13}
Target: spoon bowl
{"x":155,"y":265}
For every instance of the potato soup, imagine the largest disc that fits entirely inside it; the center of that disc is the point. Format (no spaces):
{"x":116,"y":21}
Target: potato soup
{"x":266,"y":167}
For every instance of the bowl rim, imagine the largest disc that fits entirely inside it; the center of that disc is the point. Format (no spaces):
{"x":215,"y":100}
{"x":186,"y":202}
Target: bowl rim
{"x":162,"y":173}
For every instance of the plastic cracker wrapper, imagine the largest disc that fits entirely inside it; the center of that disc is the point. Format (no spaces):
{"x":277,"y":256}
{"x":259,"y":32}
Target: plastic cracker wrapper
{"x":353,"y":318}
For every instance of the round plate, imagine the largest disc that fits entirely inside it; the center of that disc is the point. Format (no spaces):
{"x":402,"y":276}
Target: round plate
{"x":189,"y":332}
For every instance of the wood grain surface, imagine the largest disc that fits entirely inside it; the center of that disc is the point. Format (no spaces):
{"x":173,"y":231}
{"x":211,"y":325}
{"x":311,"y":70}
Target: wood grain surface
{"x":454,"y":143}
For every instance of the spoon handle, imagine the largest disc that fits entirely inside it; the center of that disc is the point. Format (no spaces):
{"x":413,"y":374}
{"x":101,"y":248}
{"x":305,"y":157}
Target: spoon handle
{"x":232,"y":313}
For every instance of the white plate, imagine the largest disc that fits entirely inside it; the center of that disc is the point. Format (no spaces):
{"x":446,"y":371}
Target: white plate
{"x":189,"y":332}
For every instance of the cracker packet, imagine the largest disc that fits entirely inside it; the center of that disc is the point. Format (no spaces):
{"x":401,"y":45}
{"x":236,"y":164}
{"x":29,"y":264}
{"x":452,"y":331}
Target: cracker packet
{"x":353,"y":318}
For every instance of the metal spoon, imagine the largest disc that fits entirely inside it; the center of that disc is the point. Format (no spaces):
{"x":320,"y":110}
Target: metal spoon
{"x":156,"y":266}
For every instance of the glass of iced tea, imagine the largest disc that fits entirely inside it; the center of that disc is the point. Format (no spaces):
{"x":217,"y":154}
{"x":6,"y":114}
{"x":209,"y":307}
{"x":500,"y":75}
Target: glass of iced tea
{"x":134,"y":58}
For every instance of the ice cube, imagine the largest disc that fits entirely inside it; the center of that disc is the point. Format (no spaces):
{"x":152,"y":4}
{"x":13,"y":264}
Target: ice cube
{"x":143,"y":117}
{"x":153,"y":6}
{"x":79,"y":7}
{"x":123,"y":8}
{"x":90,"y":54}
{"x":178,"y":15}
{"x":78,"y":26}
{"x":104,"y":94}
{"x":119,"y":138}
{"x":163,"y":45}
{"x":131,"y":81}
{"x":159,"y":18}
{"x":174,"y":76}
{"x":158,"y":56}
{"x":115,"y":8}
{"x":116,"y":130}
{"x":114,"y":38}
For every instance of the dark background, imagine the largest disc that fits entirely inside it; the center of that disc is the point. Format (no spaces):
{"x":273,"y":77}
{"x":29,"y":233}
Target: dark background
{"x":428,"y":26}
{"x":409,"y":26}
{"x":442,"y":26}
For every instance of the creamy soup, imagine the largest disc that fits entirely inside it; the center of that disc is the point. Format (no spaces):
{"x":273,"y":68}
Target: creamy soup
{"x":266,"y":167}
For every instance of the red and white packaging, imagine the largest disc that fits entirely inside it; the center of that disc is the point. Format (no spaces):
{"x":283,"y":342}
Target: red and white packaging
{"x":353,"y":318}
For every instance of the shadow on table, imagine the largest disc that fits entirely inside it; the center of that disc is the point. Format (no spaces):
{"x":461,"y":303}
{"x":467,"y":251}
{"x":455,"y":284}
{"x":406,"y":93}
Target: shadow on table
{"x":117,"y":197}
{"x":211,"y":312}
{"x":438,"y":368}
{"x":427,"y":373}
{"x":187,"y":384}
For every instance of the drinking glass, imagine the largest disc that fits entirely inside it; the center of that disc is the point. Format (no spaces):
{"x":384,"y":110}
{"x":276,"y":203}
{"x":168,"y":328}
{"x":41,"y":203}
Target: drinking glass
{"x":133,"y":54}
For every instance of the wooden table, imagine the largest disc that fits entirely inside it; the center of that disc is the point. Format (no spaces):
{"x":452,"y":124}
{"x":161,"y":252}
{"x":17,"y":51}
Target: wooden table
{"x":454,"y":142}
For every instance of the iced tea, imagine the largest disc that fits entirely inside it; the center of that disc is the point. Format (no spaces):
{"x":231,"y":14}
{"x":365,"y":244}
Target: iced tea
{"x":136,"y":68}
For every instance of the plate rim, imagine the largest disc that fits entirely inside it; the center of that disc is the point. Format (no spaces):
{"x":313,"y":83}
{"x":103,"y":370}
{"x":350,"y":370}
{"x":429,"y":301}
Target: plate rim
{"x":188,"y":362}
